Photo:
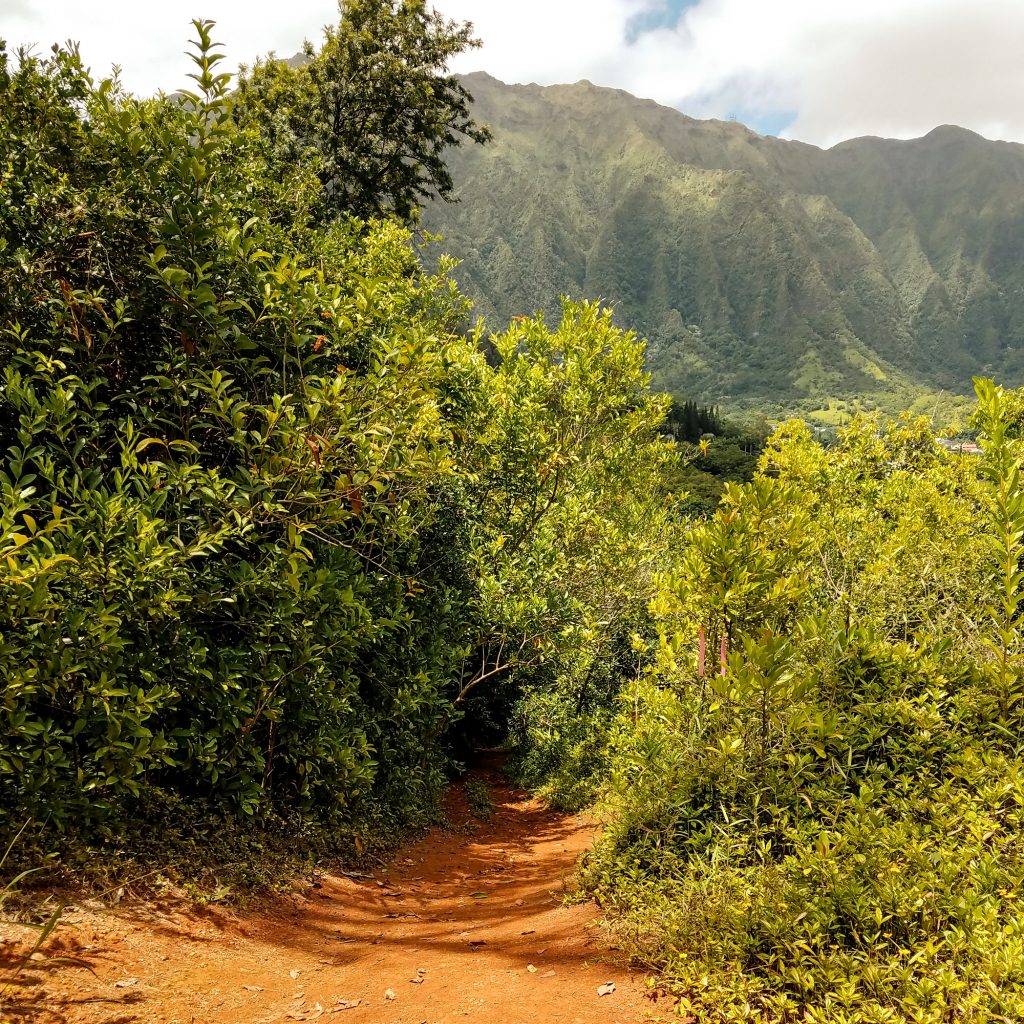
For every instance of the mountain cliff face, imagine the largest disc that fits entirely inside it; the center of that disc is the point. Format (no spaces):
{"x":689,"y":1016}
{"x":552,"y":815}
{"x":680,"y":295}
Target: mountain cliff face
{"x":762,"y":271}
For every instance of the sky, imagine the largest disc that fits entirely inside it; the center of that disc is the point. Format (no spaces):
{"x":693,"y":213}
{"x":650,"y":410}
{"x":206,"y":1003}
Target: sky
{"x":815,"y":70}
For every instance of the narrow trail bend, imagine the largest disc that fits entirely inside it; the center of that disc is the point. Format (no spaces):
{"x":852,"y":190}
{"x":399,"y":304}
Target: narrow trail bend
{"x":466,"y":924}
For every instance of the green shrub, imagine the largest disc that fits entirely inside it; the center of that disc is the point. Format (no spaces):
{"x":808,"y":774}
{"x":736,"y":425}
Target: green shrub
{"x":829,"y":827}
{"x":562,"y":754}
{"x":479,"y":796}
{"x":234,"y":565}
{"x":275,"y":536}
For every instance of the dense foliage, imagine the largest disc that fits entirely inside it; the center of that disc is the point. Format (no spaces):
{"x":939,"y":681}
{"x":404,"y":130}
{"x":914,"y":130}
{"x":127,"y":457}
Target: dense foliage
{"x":716,"y":452}
{"x":268,"y":517}
{"x":828,"y":825}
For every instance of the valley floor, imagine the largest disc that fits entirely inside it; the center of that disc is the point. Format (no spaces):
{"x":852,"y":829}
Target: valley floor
{"x":467,"y":923}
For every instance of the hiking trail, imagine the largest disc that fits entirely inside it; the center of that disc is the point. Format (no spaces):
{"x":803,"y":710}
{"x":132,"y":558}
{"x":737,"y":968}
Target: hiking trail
{"x":468,"y":923}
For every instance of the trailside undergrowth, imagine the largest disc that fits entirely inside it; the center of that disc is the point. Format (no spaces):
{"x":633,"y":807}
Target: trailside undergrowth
{"x":828,"y":825}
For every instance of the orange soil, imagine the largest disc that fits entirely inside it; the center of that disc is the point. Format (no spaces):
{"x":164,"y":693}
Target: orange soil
{"x":462,"y":924}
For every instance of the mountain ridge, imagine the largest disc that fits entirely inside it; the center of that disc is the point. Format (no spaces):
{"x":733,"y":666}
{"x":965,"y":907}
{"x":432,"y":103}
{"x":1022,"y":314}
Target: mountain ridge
{"x":762,"y":270}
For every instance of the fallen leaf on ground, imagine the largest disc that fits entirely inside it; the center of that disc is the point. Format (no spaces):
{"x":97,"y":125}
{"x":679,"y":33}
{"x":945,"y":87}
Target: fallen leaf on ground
{"x":478,"y":895}
{"x":344,"y":1004}
{"x":606,"y":989}
{"x":312,"y":1014}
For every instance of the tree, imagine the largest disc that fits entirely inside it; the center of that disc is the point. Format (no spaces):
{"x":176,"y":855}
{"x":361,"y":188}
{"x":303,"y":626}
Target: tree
{"x":568,"y":463}
{"x":226,"y":480}
{"x":373,"y":111}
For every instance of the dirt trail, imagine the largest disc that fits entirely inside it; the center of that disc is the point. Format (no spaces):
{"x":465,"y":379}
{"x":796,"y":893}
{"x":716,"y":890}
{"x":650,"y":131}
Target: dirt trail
{"x":463,"y":925}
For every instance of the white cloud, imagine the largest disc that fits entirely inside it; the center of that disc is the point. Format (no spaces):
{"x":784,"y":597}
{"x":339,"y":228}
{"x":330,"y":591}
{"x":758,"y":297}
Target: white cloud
{"x":883,"y":67}
{"x":841,"y":67}
{"x":546,"y":41}
{"x":149,"y":40}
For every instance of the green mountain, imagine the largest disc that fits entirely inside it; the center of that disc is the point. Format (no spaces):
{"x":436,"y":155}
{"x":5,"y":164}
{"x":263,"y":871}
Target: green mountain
{"x":763,"y":272}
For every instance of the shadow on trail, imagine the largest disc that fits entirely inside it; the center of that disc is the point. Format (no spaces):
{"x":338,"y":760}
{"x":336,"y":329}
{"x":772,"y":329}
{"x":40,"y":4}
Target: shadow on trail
{"x":468,"y":920}
{"x":459,"y":888}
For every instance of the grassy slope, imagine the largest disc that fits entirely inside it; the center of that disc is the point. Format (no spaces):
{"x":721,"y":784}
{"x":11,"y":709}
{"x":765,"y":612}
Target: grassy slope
{"x":764,"y":272}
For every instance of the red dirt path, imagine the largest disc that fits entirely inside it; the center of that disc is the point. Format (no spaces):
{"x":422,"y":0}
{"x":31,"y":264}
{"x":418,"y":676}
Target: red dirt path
{"x":412,"y":943}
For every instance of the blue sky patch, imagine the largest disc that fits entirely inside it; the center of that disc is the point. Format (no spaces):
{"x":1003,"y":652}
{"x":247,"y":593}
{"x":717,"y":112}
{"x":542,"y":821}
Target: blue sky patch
{"x":667,"y":15}
{"x":764,"y":122}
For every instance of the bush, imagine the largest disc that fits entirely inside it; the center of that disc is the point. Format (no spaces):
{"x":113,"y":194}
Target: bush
{"x":234,"y":566}
{"x":268,"y":517}
{"x":829,"y":828}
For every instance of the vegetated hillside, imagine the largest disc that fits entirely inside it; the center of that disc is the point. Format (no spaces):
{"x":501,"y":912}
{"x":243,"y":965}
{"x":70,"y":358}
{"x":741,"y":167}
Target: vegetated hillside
{"x":761,"y":270}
